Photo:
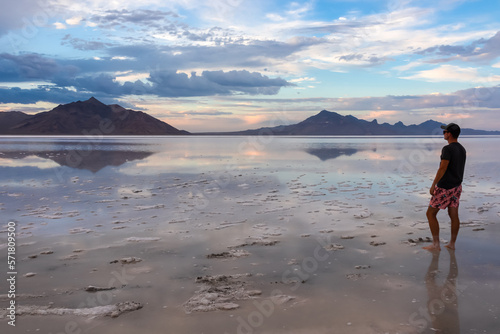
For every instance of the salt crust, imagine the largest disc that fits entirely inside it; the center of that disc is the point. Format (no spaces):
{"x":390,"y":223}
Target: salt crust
{"x":112,"y":311}
{"x":219,"y":292}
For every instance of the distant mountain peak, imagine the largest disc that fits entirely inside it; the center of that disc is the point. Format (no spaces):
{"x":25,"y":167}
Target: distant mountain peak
{"x":90,"y":102}
{"x":90,"y":116}
{"x":324,"y":116}
{"x":93,"y":100}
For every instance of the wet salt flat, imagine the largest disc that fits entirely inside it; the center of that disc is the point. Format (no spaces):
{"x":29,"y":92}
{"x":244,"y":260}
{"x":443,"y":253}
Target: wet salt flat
{"x":245,"y":235}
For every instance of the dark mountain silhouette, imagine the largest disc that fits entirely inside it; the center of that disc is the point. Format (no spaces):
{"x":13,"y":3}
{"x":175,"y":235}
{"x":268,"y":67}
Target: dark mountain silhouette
{"x":328,"y":123}
{"x":9,"y":119}
{"x":90,"y":117}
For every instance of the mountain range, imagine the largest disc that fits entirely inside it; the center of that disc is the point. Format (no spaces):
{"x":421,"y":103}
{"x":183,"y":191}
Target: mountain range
{"x":327,"y":123}
{"x":92,"y":117}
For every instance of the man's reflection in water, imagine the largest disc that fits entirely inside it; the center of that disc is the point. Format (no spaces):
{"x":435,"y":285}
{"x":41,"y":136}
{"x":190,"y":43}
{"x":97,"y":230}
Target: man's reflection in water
{"x":442,"y":305}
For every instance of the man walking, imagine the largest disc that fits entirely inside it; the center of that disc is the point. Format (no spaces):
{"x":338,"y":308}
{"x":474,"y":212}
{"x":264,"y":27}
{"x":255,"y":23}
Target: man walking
{"x":447,"y":186}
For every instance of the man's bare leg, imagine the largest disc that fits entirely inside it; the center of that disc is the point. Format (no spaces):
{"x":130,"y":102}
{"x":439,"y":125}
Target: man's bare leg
{"x":455,"y":226}
{"x":434,"y":226}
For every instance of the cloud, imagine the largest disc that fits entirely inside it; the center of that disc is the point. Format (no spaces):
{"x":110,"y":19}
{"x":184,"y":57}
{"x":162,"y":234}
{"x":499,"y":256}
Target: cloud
{"x":275,"y":17}
{"x":24,"y":14}
{"x":247,"y":54}
{"x":74,"y":21}
{"x":84,"y":45}
{"x":157,"y":26}
{"x":366,"y":59}
{"x":159,"y":83}
{"x":382,"y":113}
{"x":205,"y":113}
{"x":100,"y":74}
{"x":47,"y":94}
{"x":32,"y":67}
{"x":451,"y":73}
{"x":175,"y":84}
{"x":481,"y":50}
{"x":473,"y":98}
{"x":304,"y":79}
{"x":124,"y":17}
{"x":467,"y":99}
{"x":59,"y":25}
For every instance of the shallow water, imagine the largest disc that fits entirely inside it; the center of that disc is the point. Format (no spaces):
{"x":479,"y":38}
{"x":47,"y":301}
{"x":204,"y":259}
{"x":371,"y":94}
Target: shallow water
{"x":82,"y":199}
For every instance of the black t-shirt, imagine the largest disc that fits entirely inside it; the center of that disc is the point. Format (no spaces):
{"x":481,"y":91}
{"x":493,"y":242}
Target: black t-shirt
{"x":455,"y":154}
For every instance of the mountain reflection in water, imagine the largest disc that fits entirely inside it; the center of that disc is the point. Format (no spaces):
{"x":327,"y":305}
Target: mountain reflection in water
{"x":93,"y":161}
{"x":327,"y":153}
{"x":77,"y":155}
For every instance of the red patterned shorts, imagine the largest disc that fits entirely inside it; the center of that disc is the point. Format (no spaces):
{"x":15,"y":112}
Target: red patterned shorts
{"x":446,"y":197}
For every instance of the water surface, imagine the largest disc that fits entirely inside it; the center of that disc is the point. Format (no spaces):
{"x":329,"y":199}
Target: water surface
{"x":84,"y":198}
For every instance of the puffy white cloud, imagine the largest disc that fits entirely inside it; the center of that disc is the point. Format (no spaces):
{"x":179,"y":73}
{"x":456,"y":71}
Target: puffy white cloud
{"x":73,"y":21}
{"x":59,"y":25}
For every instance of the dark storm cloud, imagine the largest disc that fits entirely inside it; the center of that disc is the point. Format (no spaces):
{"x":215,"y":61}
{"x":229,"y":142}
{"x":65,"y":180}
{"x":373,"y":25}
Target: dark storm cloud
{"x":161,"y":83}
{"x":47,"y":94}
{"x":148,"y":58}
{"x":32,"y":67}
{"x":242,"y":79}
{"x":174,"y":84}
{"x":170,"y":83}
{"x":163,"y":63}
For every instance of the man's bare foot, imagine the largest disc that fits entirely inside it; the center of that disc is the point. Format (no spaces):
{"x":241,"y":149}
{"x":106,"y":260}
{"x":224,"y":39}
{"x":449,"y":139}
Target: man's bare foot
{"x":450,"y":246}
{"x":432,"y":248}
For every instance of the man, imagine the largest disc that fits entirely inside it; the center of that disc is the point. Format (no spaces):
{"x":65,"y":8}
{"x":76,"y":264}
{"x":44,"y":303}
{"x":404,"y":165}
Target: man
{"x":447,"y":186}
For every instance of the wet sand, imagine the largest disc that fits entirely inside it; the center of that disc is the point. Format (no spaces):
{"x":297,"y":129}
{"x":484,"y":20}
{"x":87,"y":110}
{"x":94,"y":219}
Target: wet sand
{"x":261,"y":247}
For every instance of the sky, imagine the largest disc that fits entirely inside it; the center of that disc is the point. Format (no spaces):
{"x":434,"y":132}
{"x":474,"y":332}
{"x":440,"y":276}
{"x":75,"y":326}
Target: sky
{"x":226,"y":65}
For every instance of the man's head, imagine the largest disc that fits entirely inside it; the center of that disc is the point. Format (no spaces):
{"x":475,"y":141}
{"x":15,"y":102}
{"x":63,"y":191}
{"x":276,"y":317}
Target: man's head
{"x":452,"y":128}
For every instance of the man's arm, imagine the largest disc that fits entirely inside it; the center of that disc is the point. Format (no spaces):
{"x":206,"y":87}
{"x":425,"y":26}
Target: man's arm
{"x":440,"y":173}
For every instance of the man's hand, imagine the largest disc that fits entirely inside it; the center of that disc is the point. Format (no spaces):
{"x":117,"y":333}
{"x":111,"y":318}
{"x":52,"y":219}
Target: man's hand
{"x":440,"y":173}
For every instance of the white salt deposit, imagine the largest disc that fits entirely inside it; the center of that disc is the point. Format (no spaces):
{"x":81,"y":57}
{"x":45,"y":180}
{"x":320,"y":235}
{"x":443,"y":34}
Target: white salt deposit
{"x":112,"y":311}
{"x":363,"y":214}
{"x":333,"y":247}
{"x":142,"y":239}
